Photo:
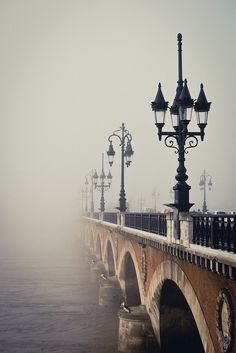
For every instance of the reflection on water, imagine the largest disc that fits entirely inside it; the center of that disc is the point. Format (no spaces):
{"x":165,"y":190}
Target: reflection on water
{"x":47,"y":303}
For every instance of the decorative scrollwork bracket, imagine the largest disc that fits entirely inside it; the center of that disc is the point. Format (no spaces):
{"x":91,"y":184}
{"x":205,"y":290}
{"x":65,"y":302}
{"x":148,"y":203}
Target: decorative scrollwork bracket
{"x":171,"y":142}
{"x":192,"y":142}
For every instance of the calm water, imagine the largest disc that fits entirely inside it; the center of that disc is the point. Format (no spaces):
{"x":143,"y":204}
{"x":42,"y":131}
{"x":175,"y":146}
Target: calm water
{"x":48,"y":303}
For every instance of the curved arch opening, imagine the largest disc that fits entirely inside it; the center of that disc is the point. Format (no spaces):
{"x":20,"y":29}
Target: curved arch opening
{"x":110,"y":260}
{"x":178,"y":329}
{"x":132,"y":294}
{"x":91,"y":241}
{"x":98,"y":248}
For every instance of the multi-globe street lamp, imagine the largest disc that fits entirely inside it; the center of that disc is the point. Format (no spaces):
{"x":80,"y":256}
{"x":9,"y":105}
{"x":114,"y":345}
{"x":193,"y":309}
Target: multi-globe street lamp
{"x":202,"y":184}
{"x":181,"y":139}
{"x":155,"y":196}
{"x":85,"y":192}
{"x":127,"y":152}
{"x":102,"y":187}
{"x":90,"y":174}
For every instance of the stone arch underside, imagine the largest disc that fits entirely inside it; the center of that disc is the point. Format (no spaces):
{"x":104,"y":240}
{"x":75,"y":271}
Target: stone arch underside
{"x":169,"y":270}
{"x":91,"y":241}
{"x":177,"y":322}
{"x":98,"y":249}
{"x":129,"y":276}
{"x":110,"y":261}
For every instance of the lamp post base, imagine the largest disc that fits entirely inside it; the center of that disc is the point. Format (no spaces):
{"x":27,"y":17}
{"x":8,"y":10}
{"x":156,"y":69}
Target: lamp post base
{"x":181,"y":192}
{"x":181,"y":207}
{"x":122,"y":206}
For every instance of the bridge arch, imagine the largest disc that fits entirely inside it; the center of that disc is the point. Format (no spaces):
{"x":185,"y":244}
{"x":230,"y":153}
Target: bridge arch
{"x":169,"y":276}
{"x":98,"y":248}
{"x":129,"y":276}
{"x":91,"y":241}
{"x":109,"y":258}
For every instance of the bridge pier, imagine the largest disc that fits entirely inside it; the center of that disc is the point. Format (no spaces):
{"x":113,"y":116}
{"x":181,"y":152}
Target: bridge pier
{"x":135,"y":331}
{"x":109,"y":292}
{"x":96,"y":268}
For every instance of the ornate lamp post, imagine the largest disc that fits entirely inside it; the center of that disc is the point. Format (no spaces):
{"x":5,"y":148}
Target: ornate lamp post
{"x":127,"y":152}
{"x":102,"y":187}
{"x":202,"y":184}
{"x":155,"y":195}
{"x":181,"y":139}
{"x":91,"y":189}
{"x":84,"y":192}
{"x":92,"y":186}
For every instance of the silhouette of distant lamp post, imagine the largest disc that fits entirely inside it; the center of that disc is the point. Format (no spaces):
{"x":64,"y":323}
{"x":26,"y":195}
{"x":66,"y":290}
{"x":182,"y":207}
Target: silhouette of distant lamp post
{"x":90,"y":190}
{"x":155,"y":195}
{"x":202,"y":184}
{"x":85,"y":195}
{"x":127,"y":152}
{"x":102,"y":187}
{"x":181,"y":139}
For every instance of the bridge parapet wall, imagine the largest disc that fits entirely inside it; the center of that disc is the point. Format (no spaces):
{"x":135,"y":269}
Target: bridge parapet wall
{"x":205,"y":276}
{"x":178,"y":242}
{"x":208,"y":230}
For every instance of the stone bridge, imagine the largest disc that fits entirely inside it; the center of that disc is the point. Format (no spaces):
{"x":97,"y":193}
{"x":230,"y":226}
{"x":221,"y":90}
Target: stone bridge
{"x":180,"y":293}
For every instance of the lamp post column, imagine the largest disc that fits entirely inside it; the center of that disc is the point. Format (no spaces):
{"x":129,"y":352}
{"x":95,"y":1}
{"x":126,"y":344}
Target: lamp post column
{"x":125,"y":139}
{"x":92,"y":186}
{"x":102,"y":202}
{"x":181,"y":189}
{"x":122,"y":189}
{"x":102,"y":186}
{"x":203,"y":187}
{"x":204,"y":206}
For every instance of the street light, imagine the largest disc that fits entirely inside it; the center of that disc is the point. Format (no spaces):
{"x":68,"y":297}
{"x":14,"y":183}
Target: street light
{"x":102,"y":186}
{"x":127,"y":152}
{"x":202,"y":184}
{"x":181,"y":139}
{"x":90,"y":174}
{"x":84,"y":192}
{"x":155,"y":195}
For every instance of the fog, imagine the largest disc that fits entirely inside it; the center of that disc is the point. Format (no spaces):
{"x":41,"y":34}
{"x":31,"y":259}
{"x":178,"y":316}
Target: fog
{"x":72,"y":71}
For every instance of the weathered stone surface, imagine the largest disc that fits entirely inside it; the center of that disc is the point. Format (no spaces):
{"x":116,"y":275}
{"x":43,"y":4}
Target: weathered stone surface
{"x":196,"y":270}
{"x":135,"y":330}
{"x":109,"y":292}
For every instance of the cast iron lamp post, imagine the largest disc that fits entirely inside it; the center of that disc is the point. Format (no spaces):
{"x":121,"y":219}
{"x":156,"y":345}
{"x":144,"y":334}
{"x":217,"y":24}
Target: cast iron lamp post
{"x":202,"y":184}
{"x":84,"y":192}
{"x":181,"y":139}
{"x":102,"y":187}
{"x":91,"y":189}
{"x":155,"y":195}
{"x":127,"y":152}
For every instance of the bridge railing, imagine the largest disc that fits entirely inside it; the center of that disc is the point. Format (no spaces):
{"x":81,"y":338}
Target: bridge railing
{"x":215,"y":231}
{"x":110,"y":217}
{"x":148,"y":222}
{"x":208,"y":230}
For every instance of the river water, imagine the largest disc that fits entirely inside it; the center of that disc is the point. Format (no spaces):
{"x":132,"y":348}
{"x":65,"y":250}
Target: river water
{"x":48,"y":303}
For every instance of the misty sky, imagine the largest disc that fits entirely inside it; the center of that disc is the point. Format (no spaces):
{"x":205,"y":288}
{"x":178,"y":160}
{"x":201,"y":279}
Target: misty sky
{"x":71,"y":71}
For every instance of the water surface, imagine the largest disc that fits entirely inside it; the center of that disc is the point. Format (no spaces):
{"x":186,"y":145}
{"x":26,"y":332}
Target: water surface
{"x":48,"y":303}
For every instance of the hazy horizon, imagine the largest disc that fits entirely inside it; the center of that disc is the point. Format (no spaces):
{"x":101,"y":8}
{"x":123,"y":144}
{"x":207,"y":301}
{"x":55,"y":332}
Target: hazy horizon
{"x":73,"y":71}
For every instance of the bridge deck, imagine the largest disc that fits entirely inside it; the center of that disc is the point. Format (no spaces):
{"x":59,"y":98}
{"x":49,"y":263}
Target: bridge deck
{"x":215,"y":260}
